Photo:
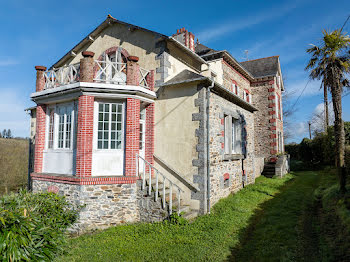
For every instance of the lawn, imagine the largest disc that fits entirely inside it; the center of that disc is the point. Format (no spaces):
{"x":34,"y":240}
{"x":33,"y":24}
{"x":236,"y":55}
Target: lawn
{"x":300,"y":217}
{"x":208,"y":238}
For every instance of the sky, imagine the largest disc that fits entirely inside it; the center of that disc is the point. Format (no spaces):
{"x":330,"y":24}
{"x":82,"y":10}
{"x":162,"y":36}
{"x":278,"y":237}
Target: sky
{"x":41,"y":32}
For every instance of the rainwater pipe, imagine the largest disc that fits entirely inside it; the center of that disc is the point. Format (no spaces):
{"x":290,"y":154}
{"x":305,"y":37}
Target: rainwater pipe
{"x":208,"y":146}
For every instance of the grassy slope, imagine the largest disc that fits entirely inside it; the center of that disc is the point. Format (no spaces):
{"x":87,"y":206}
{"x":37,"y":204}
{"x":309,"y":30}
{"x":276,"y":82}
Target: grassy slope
{"x":209,"y":237}
{"x":13,"y":164}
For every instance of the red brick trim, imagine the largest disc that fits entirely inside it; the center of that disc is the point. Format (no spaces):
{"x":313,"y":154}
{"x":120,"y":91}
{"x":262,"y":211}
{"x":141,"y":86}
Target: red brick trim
{"x":273,"y":144}
{"x":85,"y":135}
{"x":271,"y":97}
{"x":273,"y":152}
{"x":39,"y":138}
{"x":273,"y":136}
{"x":84,"y":180}
{"x":132,"y":135}
{"x":273,"y":120}
{"x":149,"y":136}
{"x":271,"y":90}
{"x":272,"y":105}
{"x":272,"y":112}
{"x":227,"y":64}
{"x":273,"y":127}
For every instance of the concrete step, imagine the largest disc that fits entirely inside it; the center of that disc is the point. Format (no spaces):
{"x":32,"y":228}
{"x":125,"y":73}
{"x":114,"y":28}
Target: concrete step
{"x":191,"y":214}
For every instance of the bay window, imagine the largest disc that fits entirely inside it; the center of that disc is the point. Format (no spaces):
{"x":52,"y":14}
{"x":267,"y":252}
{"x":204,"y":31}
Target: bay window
{"x":60,"y":120}
{"x":110,"y":126}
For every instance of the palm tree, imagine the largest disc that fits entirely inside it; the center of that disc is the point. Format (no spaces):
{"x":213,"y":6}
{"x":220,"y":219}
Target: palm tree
{"x":330,"y":63}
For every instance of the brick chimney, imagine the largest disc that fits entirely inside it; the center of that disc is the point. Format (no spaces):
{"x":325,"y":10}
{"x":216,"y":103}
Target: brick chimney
{"x":184,"y":37}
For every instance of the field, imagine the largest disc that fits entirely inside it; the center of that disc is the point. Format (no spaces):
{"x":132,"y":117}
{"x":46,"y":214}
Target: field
{"x":13,"y":164}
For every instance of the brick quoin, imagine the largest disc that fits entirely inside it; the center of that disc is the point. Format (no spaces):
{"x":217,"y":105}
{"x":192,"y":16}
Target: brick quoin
{"x":273,"y":127}
{"x":272,"y":105}
{"x":272,"y":112}
{"x":132,"y":135}
{"x":271,"y":90}
{"x":273,"y":120}
{"x":149,"y":136}
{"x":85,"y":135}
{"x":273,"y":136}
{"x":272,"y":97}
{"x":39,"y":138}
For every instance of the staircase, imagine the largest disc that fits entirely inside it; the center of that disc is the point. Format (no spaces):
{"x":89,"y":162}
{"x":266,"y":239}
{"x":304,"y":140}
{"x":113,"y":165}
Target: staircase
{"x":155,"y":184}
{"x":269,"y":169}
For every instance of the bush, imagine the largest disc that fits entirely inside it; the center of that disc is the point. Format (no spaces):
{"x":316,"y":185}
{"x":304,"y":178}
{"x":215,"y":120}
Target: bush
{"x":33,"y":225}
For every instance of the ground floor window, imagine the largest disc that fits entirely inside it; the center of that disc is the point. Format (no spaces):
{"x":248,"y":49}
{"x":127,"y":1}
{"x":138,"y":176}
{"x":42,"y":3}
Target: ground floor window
{"x":110,"y":126}
{"x":60,"y":119}
{"x":233,"y":135}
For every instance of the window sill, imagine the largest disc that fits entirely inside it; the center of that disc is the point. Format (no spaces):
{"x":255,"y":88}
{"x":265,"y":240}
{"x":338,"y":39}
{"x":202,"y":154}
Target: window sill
{"x":230,"y":157}
{"x":58,"y":151}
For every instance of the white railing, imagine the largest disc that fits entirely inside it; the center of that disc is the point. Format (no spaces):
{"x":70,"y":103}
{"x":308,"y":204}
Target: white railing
{"x":147,"y":170}
{"x":143,"y":77}
{"x":62,"y":76}
{"x":110,"y":72}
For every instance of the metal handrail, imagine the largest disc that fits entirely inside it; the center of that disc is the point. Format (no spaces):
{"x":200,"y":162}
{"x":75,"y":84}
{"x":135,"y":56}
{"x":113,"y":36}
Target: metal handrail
{"x":164,"y":180}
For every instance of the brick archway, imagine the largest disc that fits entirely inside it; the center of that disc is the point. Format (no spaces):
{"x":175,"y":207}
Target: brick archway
{"x":108,"y":51}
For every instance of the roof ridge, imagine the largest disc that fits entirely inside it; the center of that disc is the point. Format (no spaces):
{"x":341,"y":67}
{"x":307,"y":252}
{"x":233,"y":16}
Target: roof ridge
{"x":260,"y":58}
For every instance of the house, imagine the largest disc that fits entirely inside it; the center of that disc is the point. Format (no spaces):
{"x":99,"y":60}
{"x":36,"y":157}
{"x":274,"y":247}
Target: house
{"x":135,"y":124}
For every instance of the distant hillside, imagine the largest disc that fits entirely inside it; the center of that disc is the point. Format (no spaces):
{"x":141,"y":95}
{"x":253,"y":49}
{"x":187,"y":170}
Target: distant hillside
{"x":13,"y":164}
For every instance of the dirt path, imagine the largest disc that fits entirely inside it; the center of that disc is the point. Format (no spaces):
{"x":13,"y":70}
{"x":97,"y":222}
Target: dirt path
{"x":285,"y":227}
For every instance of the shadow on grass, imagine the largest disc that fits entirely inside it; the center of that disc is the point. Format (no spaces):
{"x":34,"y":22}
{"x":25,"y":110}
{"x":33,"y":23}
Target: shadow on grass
{"x":277,"y":230}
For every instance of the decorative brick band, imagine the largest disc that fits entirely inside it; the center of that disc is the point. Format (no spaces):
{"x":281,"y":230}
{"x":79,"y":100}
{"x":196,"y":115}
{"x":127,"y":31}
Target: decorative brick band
{"x":84,"y":180}
{"x":85,"y":135}
{"x":39,"y":137}
{"x":227,"y":64}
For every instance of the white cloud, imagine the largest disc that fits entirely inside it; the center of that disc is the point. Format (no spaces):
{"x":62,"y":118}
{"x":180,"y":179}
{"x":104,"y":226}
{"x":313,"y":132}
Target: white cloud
{"x":300,"y":128}
{"x":8,"y":62}
{"x":234,"y":25}
{"x":297,"y":88}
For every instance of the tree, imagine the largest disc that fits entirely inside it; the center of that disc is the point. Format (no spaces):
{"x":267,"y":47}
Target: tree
{"x":4,"y":133}
{"x":330,"y":62}
{"x":9,"y":134}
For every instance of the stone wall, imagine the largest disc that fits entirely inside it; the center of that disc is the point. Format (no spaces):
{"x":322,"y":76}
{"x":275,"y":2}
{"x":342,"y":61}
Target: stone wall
{"x":106,"y":205}
{"x":230,"y":76}
{"x":227,"y":176}
{"x":262,"y":118}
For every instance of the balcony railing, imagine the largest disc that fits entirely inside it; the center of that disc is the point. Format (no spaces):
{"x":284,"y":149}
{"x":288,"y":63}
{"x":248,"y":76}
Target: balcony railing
{"x":105,"y":72}
{"x":110,"y":72}
{"x":62,"y":76}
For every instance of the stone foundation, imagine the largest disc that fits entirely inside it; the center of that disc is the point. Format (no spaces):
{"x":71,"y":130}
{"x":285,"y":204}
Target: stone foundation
{"x":106,"y":205}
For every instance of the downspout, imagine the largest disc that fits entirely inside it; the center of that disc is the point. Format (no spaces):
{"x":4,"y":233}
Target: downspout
{"x":208,"y":146}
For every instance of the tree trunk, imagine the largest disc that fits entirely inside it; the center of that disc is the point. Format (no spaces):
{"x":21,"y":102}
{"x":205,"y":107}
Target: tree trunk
{"x":339,"y":134}
{"x":326,"y":116}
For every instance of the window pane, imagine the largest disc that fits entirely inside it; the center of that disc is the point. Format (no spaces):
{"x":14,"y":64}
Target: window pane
{"x":119,"y":145}
{"x":113,"y":145}
{"x":114,"y":107}
{"x":105,"y":145}
{"x":100,"y":107}
{"x":51,"y":127}
{"x":99,"y":145}
{"x":100,"y":117}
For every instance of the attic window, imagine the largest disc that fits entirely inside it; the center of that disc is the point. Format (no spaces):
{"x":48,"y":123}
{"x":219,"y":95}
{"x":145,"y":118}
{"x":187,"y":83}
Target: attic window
{"x":235,"y":88}
{"x":247,"y":96}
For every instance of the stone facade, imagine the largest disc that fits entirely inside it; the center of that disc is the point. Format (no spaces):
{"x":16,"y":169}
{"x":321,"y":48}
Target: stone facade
{"x":106,"y":205}
{"x":229,"y":174}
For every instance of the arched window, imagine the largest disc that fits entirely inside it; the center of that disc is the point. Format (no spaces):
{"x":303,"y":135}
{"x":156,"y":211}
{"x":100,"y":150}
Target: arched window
{"x":111,"y":66}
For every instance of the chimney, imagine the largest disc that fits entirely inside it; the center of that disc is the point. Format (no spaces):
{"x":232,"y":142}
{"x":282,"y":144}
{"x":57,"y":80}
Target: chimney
{"x":184,"y":37}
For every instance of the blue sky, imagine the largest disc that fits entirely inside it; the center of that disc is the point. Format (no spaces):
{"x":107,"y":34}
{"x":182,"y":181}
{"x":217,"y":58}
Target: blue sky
{"x":41,"y":32}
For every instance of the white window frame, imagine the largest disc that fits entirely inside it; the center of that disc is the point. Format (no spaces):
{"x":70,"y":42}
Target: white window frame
{"x":231,"y":135}
{"x":276,"y":104}
{"x":56,"y":108}
{"x":95,"y":136}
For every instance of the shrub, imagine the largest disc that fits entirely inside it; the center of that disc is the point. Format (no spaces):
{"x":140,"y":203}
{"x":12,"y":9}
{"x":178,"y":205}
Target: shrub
{"x":33,"y":225}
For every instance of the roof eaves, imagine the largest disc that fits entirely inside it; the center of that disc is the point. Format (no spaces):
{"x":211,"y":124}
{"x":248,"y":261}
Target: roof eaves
{"x":183,"y":81}
{"x":185,"y":48}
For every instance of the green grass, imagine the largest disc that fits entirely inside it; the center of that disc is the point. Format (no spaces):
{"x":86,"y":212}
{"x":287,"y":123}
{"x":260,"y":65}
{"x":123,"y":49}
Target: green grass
{"x":13,"y":164}
{"x":300,"y":217}
{"x":208,"y":238}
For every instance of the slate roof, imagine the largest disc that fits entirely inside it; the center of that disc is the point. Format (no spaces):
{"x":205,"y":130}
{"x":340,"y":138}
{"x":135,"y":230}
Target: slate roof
{"x":201,"y":49}
{"x":261,"y":67}
{"x":183,"y":77}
